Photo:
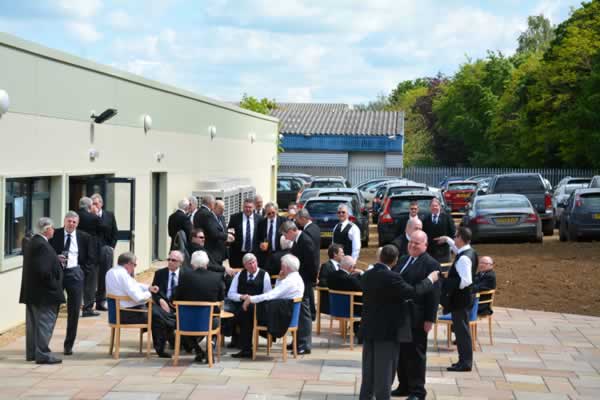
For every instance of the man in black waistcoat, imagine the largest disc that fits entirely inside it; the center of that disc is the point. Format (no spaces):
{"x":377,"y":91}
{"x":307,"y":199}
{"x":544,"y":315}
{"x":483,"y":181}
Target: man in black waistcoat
{"x":245,"y":225}
{"x":457,"y":297}
{"x":106,"y":247}
{"x":414,"y":267}
{"x":251,"y":281}
{"x":75,"y":250}
{"x":347,"y":234}
{"x":385,"y":323}
{"x":435,"y":225}
{"x":41,"y":292}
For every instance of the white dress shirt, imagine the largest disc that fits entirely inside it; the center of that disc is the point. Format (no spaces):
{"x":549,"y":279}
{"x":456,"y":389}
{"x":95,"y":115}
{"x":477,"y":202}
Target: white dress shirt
{"x":73,"y":250}
{"x":233,"y":293}
{"x":463,"y":265}
{"x":354,"y":236}
{"x":120,"y":283}
{"x":336,"y":265}
{"x":245,"y":220}
{"x":291,"y":287}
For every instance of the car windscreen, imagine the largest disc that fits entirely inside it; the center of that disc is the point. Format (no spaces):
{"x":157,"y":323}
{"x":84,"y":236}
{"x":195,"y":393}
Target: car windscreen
{"x":307,"y":194}
{"x":490,"y":204}
{"x":570,"y":188}
{"x":403,"y":189}
{"x":323,"y":207}
{"x":591,"y":201}
{"x":519,"y":184}
{"x":462,"y":186}
{"x":401,"y":205}
{"x":327,"y":184}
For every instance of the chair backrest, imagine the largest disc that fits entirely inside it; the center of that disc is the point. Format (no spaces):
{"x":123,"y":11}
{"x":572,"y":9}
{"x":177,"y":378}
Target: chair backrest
{"x":340,"y":303}
{"x":195,"y":316}
{"x":296,"y":312}
{"x":474,"y":308}
{"x":112,"y":310}
{"x":487,"y":297}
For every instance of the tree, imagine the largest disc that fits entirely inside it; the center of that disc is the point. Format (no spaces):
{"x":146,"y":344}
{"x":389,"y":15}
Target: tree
{"x":381,"y":103}
{"x":262,"y":106}
{"x":395,"y":97}
{"x":538,"y":35}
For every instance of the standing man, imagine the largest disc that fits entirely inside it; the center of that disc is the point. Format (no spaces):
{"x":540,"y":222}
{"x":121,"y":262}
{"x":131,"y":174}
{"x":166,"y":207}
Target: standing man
{"x":401,"y":242}
{"x":245,"y":226}
{"x":457,"y":297}
{"x":258,"y":205}
{"x":304,"y":222}
{"x":41,"y":292}
{"x":90,"y":223}
{"x":304,"y":250}
{"x":191,"y":211}
{"x":180,"y":221}
{"x":414,"y":267}
{"x":347,"y":234}
{"x":214,"y":230}
{"x":269,"y":233}
{"x":106,"y":243}
{"x":384,"y":325}
{"x":438,"y":224}
{"x":74,"y":249}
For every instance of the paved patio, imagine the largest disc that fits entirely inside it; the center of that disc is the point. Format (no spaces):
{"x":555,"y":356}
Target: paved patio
{"x":536,"y":355}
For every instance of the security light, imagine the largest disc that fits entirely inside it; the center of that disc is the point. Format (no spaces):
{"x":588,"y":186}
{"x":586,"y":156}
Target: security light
{"x":4,"y":102}
{"x":104,"y":116}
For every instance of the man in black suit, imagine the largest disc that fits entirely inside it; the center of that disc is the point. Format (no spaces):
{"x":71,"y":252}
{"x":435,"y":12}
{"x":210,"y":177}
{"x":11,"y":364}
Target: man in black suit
{"x":41,"y":292}
{"x":401,"y":242}
{"x":336,"y":253}
{"x":214,"y":230}
{"x":180,"y":221}
{"x":304,"y":250}
{"x":485,"y":279}
{"x":347,"y":278}
{"x":74,"y":249}
{"x":258,"y":205}
{"x":304,"y":222}
{"x":384,"y":322}
{"x":269,"y":235}
{"x":200,"y":285}
{"x":414,"y":267}
{"x":245,"y":227}
{"x":90,"y":223}
{"x":107,"y":242}
{"x":435,"y":225}
{"x":197,"y":243}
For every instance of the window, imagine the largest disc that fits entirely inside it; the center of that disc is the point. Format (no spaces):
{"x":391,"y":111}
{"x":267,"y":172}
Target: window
{"x":27,"y":200}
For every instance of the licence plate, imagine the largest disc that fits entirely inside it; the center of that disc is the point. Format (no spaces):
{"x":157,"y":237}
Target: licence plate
{"x":596,"y":216}
{"x":511,"y":220}
{"x":463,"y":195}
{"x":326,"y":234}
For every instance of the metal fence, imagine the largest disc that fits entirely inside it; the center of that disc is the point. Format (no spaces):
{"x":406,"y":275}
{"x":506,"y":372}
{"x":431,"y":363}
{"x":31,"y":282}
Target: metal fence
{"x":431,"y":175}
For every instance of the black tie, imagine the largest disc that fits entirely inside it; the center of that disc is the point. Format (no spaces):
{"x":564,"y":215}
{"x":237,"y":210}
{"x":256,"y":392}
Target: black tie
{"x":409,"y":262}
{"x":250,"y":277}
{"x":270,"y":233}
{"x":435,"y":219}
{"x":247,"y":241}
{"x":68,"y":243}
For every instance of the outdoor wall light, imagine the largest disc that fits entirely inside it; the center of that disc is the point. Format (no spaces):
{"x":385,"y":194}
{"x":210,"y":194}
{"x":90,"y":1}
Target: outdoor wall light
{"x":252,"y":137}
{"x":280,"y":136}
{"x":212,"y":132}
{"x":93,"y":153}
{"x":104,"y":116}
{"x":147,"y":123}
{"x":159,"y":156}
{"x":4,"y":102}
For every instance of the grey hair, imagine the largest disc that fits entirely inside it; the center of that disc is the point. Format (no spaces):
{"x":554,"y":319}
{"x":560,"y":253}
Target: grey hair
{"x":179,"y":254}
{"x":288,"y":226}
{"x":249,"y":200}
{"x":97,"y":196}
{"x":44,"y":224}
{"x":208,"y":199}
{"x":126,"y":258}
{"x":303,"y":213}
{"x":412,"y":222}
{"x":85,"y":202}
{"x":347,"y":261}
{"x":199,"y":259}
{"x":344,"y":206}
{"x":71,"y":214}
{"x":193,"y":201}
{"x":272,"y":204}
{"x":291,"y":261}
{"x":183,"y":204}
{"x":248,"y":257}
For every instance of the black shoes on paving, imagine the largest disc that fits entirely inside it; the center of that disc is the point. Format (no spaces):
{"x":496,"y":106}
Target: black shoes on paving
{"x":399,"y":392}
{"x":101,"y":307}
{"x":303,"y":351}
{"x":242,"y":354}
{"x":50,"y":361}
{"x":68,"y":351}
{"x":163,"y":354}
{"x":458,"y":367}
{"x":89,"y":313}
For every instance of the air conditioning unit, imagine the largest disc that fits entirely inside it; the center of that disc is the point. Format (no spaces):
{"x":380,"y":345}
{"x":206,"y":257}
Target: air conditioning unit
{"x":233,"y":192}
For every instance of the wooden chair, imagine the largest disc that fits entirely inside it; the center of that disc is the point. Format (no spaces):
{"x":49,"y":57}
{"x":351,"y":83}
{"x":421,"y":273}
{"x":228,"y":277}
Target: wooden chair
{"x":447,"y":320}
{"x":195,"y":318}
{"x":322,"y":292}
{"x":114,"y":321}
{"x":341,"y":308}
{"x":293,"y":329}
{"x":489,"y":317}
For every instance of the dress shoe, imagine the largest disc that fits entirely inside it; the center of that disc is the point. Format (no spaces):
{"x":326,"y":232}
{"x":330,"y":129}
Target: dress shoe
{"x":459,"y":368}
{"x":200,"y":358}
{"x":399,"y":392}
{"x":242,"y":354}
{"x":49,"y":361}
{"x":163,"y":354}
{"x":101,"y":307}
{"x":89,"y":313}
{"x":303,"y":351}
{"x":30,"y":359}
{"x":414,"y":397}
{"x":232,"y":345}
{"x":68,"y":352}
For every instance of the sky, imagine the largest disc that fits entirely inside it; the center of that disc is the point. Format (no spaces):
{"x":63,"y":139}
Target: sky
{"x":341,"y":51}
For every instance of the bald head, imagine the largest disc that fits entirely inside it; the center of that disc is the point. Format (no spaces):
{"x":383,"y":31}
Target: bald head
{"x":486,"y":263}
{"x":413,"y":225}
{"x":417,"y":244}
{"x":347,"y":263}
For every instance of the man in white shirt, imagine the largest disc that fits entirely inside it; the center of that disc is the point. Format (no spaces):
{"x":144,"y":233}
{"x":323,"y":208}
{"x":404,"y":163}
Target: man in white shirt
{"x":346,"y":233}
{"x":456,"y":294}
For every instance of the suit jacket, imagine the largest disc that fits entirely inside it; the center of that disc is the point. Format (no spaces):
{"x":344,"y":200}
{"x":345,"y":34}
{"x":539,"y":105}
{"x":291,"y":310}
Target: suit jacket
{"x":214,"y":231}
{"x":179,"y":221}
{"x":212,"y":264}
{"x":314,"y":232}
{"x":200,"y":285}
{"x":481,"y":282}
{"x":264,"y":257}
{"x":327,"y":268}
{"x":235,"y":249}
{"x":401,"y":242}
{"x":109,"y":229}
{"x":161,"y":279}
{"x":86,"y":257}
{"x":92,"y":225}
{"x":304,"y":249}
{"x":444,"y":227}
{"x":383,"y":316}
{"x":41,"y":282}
{"x":424,"y":306}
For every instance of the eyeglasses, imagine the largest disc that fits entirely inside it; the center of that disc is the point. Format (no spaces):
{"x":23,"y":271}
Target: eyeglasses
{"x":172,"y":259}
{"x":341,"y":212}
{"x":199,"y":237}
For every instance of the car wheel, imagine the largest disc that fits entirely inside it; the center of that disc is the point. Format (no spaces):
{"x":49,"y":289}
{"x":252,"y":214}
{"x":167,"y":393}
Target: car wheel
{"x":537,"y":239}
{"x":548,"y":227}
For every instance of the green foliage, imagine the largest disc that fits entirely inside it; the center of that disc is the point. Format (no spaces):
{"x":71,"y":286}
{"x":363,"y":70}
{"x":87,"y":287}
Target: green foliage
{"x":395,"y":97}
{"x":262,"y":106}
{"x":380,"y":104}
{"x":538,"y":35}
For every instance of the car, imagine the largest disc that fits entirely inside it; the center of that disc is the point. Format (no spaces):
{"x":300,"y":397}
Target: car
{"x":305,"y":195}
{"x":447,"y":179}
{"x":394,"y":187}
{"x":305,"y":177}
{"x":534,"y":187}
{"x":570,"y":180}
{"x":369,"y":187}
{"x":595,"y":182}
{"x":323,"y":212}
{"x":503,"y":216}
{"x":395,"y":212}
{"x":287,"y":190}
{"x":458,"y":194}
{"x":363,"y":215}
{"x":322,"y":182}
{"x":581,"y":215}
{"x":561,"y":194}
{"x":480,"y":177}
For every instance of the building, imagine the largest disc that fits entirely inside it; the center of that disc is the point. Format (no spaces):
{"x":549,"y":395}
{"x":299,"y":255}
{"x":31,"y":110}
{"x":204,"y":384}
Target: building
{"x":155,"y":151}
{"x":335,"y":139}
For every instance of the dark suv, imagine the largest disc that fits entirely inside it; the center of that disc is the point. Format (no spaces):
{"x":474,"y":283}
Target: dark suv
{"x":534,"y":188}
{"x":581,"y":215}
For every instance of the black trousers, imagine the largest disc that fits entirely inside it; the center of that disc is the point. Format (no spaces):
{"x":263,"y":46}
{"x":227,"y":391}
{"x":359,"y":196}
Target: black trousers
{"x":90,"y":281}
{"x":245,"y":319}
{"x":105,"y":262}
{"x":412,"y":364}
{"x":73,"y":284}
{"x":460,"y":323}
{"x":378,"y":365}
{"x":163,"y":324}
{"x":39,"y":326}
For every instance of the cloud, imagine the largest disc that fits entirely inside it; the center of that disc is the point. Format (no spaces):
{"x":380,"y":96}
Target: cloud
{"x":120,"y":20}
{"x":80,"y":8}
{"x":299,"y":95}
{"x":83,"y":31}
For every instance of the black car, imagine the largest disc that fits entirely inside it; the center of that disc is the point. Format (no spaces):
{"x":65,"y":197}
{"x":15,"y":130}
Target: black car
{"x":287,"y":190}
{"x":323,"y":212}
{"x":581,"y":215}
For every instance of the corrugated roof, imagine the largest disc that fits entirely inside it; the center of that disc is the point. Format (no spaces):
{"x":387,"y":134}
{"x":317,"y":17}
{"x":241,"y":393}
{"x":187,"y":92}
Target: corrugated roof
{"x":336,"y":119}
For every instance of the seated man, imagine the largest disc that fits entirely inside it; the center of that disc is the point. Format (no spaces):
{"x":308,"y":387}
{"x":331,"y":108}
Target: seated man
{"x":120,"y":282}
{"x":335,"y":253}
{"x":197,"y":243}
{"x":485,"y":279}
{"x":347,"y":279}
{"x":200,"y":284}
{"x":401,"y":242}
{"x":251,"y":281}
